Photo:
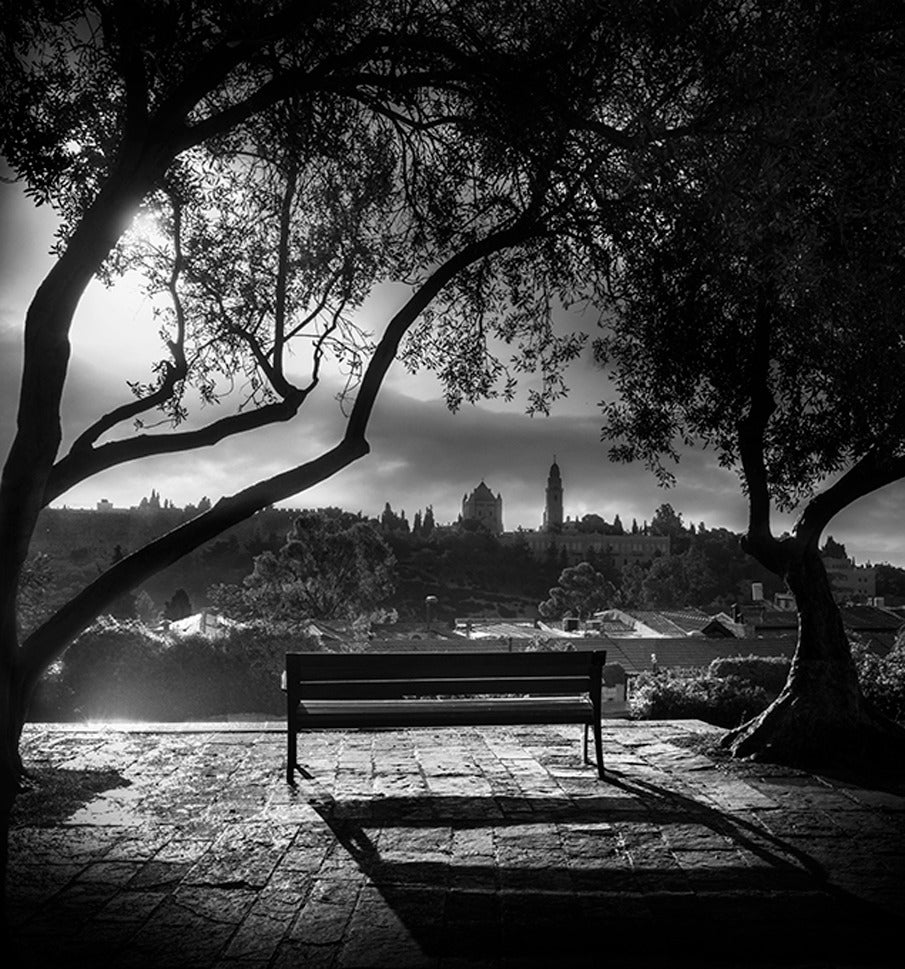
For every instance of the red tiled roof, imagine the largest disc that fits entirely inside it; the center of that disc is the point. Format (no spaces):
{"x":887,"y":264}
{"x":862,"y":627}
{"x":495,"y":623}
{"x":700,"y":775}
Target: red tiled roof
{"x":657,"y":621}
{"x":690,"y":620}
{"x":634,"y":655}
{"x":870,"y":617}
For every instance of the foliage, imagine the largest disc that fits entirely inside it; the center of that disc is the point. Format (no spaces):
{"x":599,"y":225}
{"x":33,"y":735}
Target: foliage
{"x":146,"y":610}
{"x":328,"y":568}
{"x":882,"y":679}
{"x":665,"y":585}
{"x":770,"y":229}
{"x":767,"y":672}
{"x":833,"y":549}
{"x":581,"y":591}
{"x":37,"y":578}
{"x":695,"y":694}
{"x":123,"y":670}
{"x":890,"y":581}
{"x":177,"y":607}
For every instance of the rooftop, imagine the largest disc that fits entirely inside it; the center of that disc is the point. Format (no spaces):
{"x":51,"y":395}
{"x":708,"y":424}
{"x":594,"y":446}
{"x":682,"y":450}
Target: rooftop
{"x":182,"y":845}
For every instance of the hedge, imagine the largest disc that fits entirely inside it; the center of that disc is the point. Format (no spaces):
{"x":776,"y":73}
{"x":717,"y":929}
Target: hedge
{"x":123,"y":670}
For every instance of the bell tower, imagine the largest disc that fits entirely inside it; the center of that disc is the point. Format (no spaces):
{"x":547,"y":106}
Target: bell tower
{"x":553,"y":505}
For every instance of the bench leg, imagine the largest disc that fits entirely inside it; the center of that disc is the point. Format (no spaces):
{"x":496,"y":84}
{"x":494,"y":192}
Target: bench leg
{"x":291,"y":755}
{"x":291,"y":738}
{"x":598,"y":743}
{"x":586,"y":759}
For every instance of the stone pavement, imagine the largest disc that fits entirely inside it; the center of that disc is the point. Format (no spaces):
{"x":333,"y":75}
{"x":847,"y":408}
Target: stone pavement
{"x":445,"y":848}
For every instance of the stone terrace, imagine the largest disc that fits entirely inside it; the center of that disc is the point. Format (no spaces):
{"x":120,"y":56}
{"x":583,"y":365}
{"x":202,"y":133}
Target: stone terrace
{"x":445,"y":848}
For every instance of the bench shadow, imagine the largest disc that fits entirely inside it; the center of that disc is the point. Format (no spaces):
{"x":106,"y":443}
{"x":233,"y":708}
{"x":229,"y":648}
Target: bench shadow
{"x":780,"y":911}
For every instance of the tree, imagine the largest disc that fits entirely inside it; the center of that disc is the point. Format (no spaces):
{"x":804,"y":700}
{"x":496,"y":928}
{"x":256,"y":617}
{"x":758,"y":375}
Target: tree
{"x":146,"y":610}
{"x":581,"y":591}
{"x":667,"y":521}
{"x":122,"y":607}
{"x":760,"y":314}
{"x":328,"y":568}
{"x":666,"y":586}
{"x":263,"y":166}
{"x":179,"y":606}
{"x":631,"y":586}
{"x":833,"y":549}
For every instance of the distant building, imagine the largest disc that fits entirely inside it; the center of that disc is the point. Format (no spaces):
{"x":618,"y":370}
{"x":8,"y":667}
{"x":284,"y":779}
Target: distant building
{"x":553,"y":503}
{"x":622,"y":549}
{"x":850,"y":581}
{"x":554,"y":536}
{"x":104,"y":505}
{"x":484,"y":507}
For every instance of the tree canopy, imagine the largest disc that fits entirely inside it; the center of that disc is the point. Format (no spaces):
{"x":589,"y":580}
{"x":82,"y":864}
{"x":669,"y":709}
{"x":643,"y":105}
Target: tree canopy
{"x":266,"y":164}
{"x":329,"y":568}
{"x":580,"y":592}
{"x":758,"y":313}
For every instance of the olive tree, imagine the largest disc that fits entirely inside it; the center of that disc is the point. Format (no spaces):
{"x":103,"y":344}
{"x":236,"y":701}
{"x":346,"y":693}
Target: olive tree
{"x":264,"y":166}
{"x":759,"y":313}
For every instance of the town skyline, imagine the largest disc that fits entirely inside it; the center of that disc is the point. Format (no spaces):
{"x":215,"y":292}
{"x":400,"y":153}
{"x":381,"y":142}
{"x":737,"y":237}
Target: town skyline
{"x":420,"y":452}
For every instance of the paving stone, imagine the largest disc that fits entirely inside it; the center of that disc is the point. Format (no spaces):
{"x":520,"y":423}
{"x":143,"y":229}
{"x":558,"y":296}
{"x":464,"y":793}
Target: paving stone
{"x":465,"y":848}
{"x":326,"y":912}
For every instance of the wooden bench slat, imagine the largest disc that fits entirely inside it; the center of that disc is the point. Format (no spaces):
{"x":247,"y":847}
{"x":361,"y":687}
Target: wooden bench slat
{"x":350,"y":689}
{"x":452,"y":712}
{"x":382,"y":666}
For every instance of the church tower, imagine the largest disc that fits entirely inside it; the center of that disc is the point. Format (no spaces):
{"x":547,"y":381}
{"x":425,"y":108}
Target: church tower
{"x":553,"y":506}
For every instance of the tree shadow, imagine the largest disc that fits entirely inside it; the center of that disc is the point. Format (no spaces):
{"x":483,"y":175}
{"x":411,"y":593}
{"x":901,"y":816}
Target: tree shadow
{"x":780,"y":910}
{"x":51,"y":794}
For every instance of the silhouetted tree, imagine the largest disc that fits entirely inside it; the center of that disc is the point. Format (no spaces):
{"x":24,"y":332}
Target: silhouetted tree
{"x":833,"y":549}
{"x":581,"y":591}
{"x":327,"y":569}
{"x":263,"y":166}
{"x":760,"y":313}
{"x":179,"y":606}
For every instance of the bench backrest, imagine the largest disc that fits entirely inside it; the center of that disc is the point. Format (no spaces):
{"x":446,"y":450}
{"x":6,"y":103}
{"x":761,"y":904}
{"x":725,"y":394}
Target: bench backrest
{"x":389,"y":675}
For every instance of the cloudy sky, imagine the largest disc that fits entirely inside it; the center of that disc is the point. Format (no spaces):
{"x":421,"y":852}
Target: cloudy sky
{"x":420,"y":453}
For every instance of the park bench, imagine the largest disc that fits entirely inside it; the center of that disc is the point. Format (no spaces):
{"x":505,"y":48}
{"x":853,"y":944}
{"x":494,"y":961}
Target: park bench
{"x":448,"y":689}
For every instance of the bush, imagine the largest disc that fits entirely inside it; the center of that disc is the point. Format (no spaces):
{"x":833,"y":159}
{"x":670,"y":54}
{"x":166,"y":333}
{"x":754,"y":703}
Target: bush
{"x":695,"y":695}
{"x":122,"y":670}
{"x":768,"y":672}
{"x":882,"y":679}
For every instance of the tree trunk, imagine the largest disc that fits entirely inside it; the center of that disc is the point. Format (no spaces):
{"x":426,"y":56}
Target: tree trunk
{"x":820,"y":719}
{"x":12,"y":718}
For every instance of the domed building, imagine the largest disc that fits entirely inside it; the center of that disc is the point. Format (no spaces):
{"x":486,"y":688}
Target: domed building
{"x":484,"y":507}
{"x":567,"y":538}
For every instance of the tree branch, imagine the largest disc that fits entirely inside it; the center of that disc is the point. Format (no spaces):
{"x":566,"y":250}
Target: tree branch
{"x":279,"y":334}
{"x":751,"y":432}
{"x":869,"y":474}
{"x":79,"y":465}
{"x":386,"y":350}
{"x":49,"y":641}
{"x":175,"y":371}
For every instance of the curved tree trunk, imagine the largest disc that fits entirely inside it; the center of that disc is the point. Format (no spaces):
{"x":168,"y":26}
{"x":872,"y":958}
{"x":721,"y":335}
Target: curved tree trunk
{"x":820,"y":719}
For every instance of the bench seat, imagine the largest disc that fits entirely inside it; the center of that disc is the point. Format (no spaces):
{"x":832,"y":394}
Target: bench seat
{"x":451,"y":711}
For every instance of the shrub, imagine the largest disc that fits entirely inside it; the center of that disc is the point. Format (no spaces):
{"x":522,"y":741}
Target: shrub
{"x":882,"y":679}
{"x":695,"y":694}
{"x":122,"y":670}
{"x":768,"y":672}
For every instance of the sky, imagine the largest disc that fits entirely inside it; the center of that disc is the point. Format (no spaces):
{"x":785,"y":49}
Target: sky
{"x":421,"y":454}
